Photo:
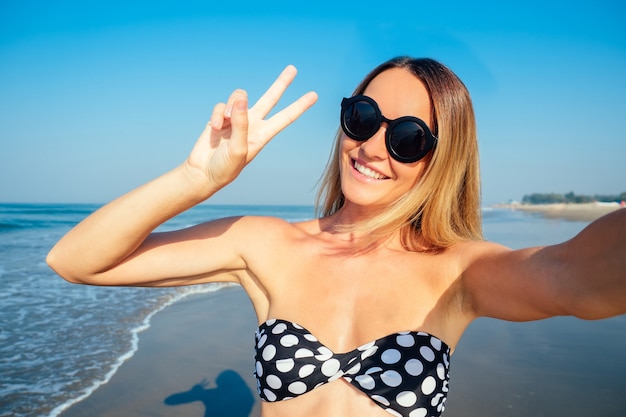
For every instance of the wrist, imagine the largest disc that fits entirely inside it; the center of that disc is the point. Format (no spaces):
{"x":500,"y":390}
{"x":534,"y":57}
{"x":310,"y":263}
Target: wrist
{"x":195,"y":183}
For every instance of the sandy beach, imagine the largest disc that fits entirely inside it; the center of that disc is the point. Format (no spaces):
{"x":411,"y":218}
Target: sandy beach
{"x":196,"y":361}
{"x":586,"y":212}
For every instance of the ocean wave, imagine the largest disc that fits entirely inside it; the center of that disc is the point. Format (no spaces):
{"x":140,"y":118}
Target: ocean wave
{"x":10,"y":226}
{"x":144,"y":325}
{"x":17,"y":225}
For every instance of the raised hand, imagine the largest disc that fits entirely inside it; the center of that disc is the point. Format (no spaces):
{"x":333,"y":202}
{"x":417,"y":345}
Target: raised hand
{"x":236,"y":134}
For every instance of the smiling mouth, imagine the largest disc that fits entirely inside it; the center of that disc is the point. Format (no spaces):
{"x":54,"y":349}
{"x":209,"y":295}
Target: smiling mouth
{"x":368,"y":172}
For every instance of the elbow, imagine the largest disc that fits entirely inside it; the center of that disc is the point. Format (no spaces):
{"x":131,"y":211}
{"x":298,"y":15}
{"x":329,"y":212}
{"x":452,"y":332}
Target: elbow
{"x":62,"y":269}
{"x":592,"y":300}
{"x":597,"y":308}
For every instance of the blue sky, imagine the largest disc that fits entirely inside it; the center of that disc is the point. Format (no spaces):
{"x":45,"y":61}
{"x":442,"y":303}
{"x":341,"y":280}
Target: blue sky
{"x":98,"y":97}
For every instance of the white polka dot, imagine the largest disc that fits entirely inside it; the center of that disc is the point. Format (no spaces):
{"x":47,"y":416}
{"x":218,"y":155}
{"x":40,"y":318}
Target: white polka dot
{"x":391,"y":378}
{"x":330,"y":367}
{"x":324,"y":353}
{"x":354,"y":370}
{"x":420,"y":412}
{"x":303,"y":353}
{"x":445,"y":387}
{"x":285,"y":365}
{"x":365,"y":346}
{"x":373,"y":369}
{"x":365,"y":381}
{"x":279,"y":328}
{"x":414,"y":367}
{"x":273,"y":381}
{"x":289,"y":340}
{"x":269,"y":395}
{"x":436,"y":399}
{"x":380,"y":399}
{"x":441,"y":371}
{"x":297,"y":388}
{"x":306,"y":370}
{"x":297,"y":326}
{"x":270,"y":322}
{"x":269,"y":352}
{"x":427,"y":353}
{"x":428,"y":385}
{"x":369,"y":352}
{"x":259,"y":369}
{"x":390,"y":356}
{"x":261,"y":341}
{"x":338,"y":375}
{"x":405,"y":340}
{"x":406,"y":399}
{"x":393,"y":412}
{"x":436,"y":343}
{"x":310,"y":337}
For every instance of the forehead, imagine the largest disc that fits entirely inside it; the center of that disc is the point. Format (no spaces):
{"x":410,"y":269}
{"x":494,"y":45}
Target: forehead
{"x":400,"y":93}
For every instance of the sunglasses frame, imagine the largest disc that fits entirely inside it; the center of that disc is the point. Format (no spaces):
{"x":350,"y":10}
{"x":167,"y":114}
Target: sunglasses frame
{"x":429,"y":139}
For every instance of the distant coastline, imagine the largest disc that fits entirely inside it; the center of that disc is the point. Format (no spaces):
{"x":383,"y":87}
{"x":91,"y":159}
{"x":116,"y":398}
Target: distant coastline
{"x":585,"y":212}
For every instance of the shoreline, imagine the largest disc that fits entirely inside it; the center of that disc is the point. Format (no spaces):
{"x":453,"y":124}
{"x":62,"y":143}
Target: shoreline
{"x":582,"y":212}
{"x":135,"y":332}
{"x":194,"y":360}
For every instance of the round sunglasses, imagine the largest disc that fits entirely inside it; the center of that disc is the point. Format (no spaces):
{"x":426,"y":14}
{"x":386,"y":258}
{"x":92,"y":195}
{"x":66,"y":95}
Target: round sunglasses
{"x":408,"y":138}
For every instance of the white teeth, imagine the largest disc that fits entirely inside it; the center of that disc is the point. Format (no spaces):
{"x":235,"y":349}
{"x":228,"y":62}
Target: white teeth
{"x":368,"y":172}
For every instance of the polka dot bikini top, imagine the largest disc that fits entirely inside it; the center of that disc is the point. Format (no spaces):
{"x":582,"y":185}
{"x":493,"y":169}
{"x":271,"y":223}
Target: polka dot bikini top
{"x":405,"y":373}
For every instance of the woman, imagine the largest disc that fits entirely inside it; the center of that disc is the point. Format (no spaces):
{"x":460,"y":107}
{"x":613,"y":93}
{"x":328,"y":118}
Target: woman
{"x":360,"y":310}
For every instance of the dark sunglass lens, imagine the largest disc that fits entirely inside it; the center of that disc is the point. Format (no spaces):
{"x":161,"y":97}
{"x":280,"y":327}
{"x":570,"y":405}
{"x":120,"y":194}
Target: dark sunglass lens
{"x":408,"y":141}
{"x":360,"y":120}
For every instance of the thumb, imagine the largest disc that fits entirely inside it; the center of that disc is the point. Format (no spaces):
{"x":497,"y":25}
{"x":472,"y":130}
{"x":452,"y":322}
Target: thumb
{"x":239,"y":125}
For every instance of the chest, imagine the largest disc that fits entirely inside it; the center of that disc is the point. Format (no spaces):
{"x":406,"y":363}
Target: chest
{"x":349,"y":300}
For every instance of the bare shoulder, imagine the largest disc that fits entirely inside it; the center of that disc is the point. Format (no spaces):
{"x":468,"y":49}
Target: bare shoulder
{"x":265,"y":237}
{"x":269,"y":248}
{"x":473,"y":253}
{"x":265,"y":227}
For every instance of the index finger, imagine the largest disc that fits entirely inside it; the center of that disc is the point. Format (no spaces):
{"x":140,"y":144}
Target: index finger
{"x":289,"y":114}
{"x":273,"y":94}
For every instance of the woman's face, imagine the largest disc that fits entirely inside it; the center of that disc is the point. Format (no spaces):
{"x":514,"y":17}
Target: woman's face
{"x":369,"y":176}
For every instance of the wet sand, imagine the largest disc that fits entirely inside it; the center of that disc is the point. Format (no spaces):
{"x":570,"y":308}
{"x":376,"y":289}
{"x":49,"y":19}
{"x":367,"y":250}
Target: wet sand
{"x":195,"y":360}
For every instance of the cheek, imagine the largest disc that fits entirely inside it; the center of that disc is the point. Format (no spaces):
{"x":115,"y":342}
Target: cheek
{"x":344,"y":158}
{"x":347,"y":147}
{"x":347,"y":144}
{"x":411,"y":173}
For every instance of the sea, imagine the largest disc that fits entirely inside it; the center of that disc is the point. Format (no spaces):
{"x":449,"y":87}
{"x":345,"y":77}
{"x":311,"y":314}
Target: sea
{"x":59,"y":342}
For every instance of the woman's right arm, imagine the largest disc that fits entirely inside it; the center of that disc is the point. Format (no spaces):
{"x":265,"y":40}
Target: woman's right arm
{"x":116,"y":244}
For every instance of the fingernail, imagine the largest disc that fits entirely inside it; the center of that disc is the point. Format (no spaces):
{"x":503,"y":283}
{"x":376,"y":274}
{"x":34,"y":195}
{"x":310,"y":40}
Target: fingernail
{"x":242,"y":105}
{"x":228,"y":111}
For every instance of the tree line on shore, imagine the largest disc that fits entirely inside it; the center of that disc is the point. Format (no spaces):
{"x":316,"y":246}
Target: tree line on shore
{"x":571,"y":197}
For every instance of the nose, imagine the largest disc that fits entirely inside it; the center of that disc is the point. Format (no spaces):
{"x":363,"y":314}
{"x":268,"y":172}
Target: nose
{"x":374,"y":148}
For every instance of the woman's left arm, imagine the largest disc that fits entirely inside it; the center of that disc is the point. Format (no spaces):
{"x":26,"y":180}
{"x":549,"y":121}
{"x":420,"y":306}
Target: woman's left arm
{"x":583,"y":277}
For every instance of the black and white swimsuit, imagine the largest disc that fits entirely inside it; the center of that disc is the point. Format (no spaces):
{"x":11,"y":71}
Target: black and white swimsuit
{"x":405,"y":373}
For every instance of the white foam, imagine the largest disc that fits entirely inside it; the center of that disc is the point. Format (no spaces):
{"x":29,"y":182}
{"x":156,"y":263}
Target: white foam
{"x":145,"y":324}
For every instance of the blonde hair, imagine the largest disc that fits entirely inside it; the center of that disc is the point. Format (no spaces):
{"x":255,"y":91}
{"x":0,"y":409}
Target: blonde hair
{"x":443,"y":207}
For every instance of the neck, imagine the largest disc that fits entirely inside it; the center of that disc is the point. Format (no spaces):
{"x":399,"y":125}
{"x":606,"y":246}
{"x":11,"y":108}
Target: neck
{"x":351,"y":214}
{"x":343,"y":227}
